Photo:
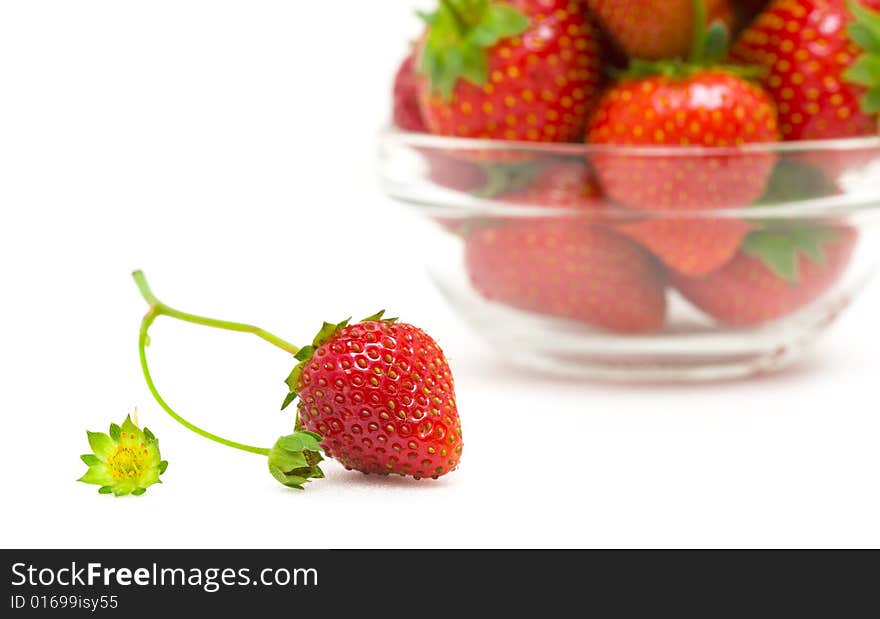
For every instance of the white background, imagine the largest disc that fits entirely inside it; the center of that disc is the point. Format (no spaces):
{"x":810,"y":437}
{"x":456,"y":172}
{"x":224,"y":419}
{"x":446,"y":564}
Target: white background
{"x":228,"y":149}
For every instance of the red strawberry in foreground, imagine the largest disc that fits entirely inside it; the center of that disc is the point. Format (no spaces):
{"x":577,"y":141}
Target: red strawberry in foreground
{"x":775,"y":274}
{"x":378,"y":396}
{"x":570,"y":270}
{"x":407,"y":115}
{"x":381,"y":395}
{"x":655,"y":29}
{"x":808,"y":55}
{"x":710,"y":108}
{"x":516,"y":70}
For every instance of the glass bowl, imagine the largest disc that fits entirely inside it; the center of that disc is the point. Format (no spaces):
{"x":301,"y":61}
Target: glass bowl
{"x":643,"y":263}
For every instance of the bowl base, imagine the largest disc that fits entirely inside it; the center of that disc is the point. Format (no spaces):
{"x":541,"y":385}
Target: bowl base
{"x":694,"y":349}
{"x":651,"y":369}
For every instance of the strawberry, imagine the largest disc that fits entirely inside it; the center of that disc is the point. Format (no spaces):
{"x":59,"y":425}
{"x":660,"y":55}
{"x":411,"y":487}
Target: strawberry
{"x":690,"y":246}
{"x":456,"y":173}
{"x":747,"y":10}
{"x":775,"y":274}
{"x":711,"y":108}
{"x":655,"y":29}
{"x":378,"y":396}
{"x":563,"y":184}
{"x":515,"y":70}
{"x":407,"y":115}
{"x":443,"y":169}
{"x":569,"y":270}
{"x":381,"y":395}
{"x":697,"y":104}
{"x":809,"y":58}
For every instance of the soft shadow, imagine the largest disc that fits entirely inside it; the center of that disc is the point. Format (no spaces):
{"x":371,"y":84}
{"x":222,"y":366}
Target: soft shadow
{"x":388,"y":481}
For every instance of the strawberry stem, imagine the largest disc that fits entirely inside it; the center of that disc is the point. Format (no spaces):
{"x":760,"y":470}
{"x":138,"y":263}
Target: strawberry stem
{"x":698,"y":51}
{"x":160,"y":309}
{"x":157,"y":309}
{"x":145,"y":368}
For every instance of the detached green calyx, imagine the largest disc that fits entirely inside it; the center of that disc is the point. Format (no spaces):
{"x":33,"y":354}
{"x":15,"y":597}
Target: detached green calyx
{"x":294,"y":459}
{"x":780,"y":250}
{"x":459,"y":34}
{"x":125,"y":461}
{"x":305,"y":354}
{"x":866,"y":69}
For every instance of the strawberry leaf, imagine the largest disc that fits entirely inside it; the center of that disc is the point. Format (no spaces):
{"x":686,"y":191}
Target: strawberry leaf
{"x":869,"y":20}
{"x":871,"y":101}
{"x":795,"y":181}
{"x":864,"y":37}
{"x":292,"y":380}
{"x":100,"y":442}
{"x":426,"y":17}
{"x":717,"y":42}
{"x":90,"y":459}
{"x":459,"y":34}
{"x":500,"y":21}
{"x":289,"y":399}
{"x":474,"y":66}
{"x":780,"y":250}
{"x":328,"y":330}
{"x":865,"y":71}
{"x":379,"y":317}
{"x":294,"y":459}
{"x":305,"y":353}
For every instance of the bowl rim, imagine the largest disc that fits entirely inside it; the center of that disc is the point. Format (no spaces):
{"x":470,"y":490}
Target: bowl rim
{"x":442,"y":142}
{"x":445,"y":202}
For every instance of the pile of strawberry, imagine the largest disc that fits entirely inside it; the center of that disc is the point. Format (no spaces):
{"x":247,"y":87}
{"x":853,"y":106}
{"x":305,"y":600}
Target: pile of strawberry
{"x":648,"y":73}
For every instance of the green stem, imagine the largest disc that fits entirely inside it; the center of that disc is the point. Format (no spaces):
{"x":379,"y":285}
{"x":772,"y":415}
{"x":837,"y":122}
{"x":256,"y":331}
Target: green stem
{"x":160,"y":309}
{"x":157,"y":308}
{"x":700,"y":17}
{"x":142,"y":350}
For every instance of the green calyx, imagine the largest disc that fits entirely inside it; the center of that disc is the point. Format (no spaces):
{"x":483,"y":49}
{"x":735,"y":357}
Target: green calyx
{"x":865,"y":31}
{"x":780,"y":250}
{"x":459,"y":34}
{"x":294,"y":459}
{"x":504,"y":178}
{"x":795,"y":181}
{"x":710,"y":45}
{"x":124,"y":461}
{"x":328,"y":332}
